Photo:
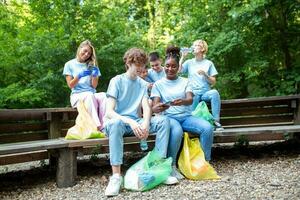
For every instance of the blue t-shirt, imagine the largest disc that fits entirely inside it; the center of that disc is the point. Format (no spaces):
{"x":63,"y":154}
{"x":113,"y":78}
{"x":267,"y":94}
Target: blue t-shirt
{"x":169,"y":90}
{"x":128,"y":94}
{"x":155,"y":76}
{"x":199,"y":82}
{"x":73,"y":68}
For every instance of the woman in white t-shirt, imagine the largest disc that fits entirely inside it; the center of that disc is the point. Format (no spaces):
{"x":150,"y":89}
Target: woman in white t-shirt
{"x":172,"y":96}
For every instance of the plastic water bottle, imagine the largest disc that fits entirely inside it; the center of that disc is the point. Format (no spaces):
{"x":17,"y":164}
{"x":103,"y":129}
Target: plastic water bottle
{"x":186,"y":49}
{"x":143,"y":144}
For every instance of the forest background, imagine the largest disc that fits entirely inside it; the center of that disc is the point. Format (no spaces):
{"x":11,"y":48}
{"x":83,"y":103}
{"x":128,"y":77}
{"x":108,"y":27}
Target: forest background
{"x":254,"y":44}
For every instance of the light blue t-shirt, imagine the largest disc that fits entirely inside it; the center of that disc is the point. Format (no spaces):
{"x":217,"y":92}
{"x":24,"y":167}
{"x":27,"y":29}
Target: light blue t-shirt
{"x":155,"y":76}
{"x":73,"y":68}
{"x":199,"y":82}
{"x":169,"y":90}
{"x":128,"y":94}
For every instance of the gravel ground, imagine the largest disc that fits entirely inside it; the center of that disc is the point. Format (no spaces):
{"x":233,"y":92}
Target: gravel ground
{"x":257,"y":172}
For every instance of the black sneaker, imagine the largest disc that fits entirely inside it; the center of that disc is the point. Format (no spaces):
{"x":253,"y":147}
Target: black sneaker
{"x":218,"y":126}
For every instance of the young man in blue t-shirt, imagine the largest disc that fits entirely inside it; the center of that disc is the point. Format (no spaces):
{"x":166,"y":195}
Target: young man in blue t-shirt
{"x":126,"y":94}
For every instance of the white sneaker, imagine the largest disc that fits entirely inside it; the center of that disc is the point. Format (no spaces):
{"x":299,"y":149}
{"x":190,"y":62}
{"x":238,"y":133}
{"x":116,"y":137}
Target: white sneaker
{"x":171,"y":180}
{"x":218,"y":126}
{"x":176,"y":173}
{"x":114,"y":185}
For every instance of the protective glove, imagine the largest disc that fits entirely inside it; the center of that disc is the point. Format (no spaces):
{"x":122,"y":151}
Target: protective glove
{"x":95,"y":71}
{"x":84,"y":73}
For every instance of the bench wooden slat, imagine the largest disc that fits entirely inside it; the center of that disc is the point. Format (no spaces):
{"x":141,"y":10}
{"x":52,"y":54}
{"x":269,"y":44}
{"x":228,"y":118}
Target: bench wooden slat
{"x":255,"y":130}
{"x":24,"y":157}
{"x":104,"y":141}
{"x":38,"y":145}
{"x":20,"y":115}
{"x":246,"y":111}
{"x":268,"y":100}
{"x":288,"y":119}
{"x":23,"y":127}
{"x":250,"y":138}
{"x":23,"y":137}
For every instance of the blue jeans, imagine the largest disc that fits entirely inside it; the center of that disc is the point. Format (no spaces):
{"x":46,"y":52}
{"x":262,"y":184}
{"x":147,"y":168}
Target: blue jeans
{"x":193,"y":125}
{"x":213,"y":97}
{"x":115,"y":129}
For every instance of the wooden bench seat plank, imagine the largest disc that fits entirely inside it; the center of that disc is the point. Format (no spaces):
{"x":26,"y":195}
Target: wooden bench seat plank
{"x":103,"y":141}
{"x":38,"y":145}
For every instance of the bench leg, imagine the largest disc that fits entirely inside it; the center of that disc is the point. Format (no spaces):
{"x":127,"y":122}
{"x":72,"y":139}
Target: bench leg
{"x":67,"y":168}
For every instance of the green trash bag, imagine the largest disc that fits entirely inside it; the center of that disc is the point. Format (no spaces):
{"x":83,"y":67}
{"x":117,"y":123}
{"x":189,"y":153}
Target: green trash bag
{"x":148,"y":172}
{"x":202,"y":111}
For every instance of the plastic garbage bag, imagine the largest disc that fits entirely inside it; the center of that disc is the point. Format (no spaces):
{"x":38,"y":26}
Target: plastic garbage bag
{"x":192,"y":163}
{"x":148,"y":172}
{"x":202,"y":111}
{"x":85,"y":127}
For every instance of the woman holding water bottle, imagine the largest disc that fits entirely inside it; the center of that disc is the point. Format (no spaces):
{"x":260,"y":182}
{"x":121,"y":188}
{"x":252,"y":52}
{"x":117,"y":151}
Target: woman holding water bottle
{"x":202,"y":75}
{"x":82,"y":74}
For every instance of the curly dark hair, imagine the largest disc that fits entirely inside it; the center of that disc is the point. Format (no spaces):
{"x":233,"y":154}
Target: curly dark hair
{"x":173,"y":52}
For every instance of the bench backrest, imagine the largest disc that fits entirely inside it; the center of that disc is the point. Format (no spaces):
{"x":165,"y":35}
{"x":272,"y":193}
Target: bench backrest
{"x":264,"y":111}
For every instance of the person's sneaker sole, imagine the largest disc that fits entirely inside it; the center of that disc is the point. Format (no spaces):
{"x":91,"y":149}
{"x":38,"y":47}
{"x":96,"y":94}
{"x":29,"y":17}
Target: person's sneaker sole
{"x":171,"y":181}
{"x":219,"y":129}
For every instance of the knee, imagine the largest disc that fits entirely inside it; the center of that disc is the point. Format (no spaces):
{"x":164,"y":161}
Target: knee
{"x":113,"y":127}
{"x":163,"y":121}
{"x":208,"y":128}
{"x":215,"y":93}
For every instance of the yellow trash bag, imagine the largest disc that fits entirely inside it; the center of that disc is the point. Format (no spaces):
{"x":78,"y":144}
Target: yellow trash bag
{"x":192,"y":162}
{"x":85,"y":127}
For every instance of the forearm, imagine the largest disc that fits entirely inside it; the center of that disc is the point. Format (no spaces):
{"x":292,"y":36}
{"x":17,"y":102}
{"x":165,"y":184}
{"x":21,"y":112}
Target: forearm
{"x":72,"y":82}
{"x":180,"y":64}
{"x":187,"y":101}
{"x":147,"y":115}
{"x":111,"y":114}
{"x":147,"y":112}
{"x":94,"y":82}
{"x":211,"y":79}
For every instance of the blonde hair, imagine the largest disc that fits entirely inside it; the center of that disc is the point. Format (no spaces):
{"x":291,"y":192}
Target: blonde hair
{"x":203,"y":44}
{"x":92,"y":60}
{"x":135,"y":55}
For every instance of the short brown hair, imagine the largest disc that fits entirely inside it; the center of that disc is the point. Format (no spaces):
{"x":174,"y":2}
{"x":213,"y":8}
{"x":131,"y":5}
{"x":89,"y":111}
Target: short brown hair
{"x":135,"y":55}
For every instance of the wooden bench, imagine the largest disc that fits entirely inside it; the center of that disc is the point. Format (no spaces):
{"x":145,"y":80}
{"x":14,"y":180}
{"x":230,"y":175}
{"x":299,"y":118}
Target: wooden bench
{"x":35,"y":134}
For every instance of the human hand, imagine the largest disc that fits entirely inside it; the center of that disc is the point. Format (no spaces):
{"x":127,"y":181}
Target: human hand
{"x":160,"y":107}
{"x":177,"y":102}
{"x":136,"y":128}
{"x":150,"y":85}
{"x":184,"y":53}
{"x":84,"y":73}
{"x":95,"y":71}
{"x":201,"y":72}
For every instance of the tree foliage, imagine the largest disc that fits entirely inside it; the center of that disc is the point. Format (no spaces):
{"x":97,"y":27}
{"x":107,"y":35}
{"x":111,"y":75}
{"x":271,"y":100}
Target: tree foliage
{"x":254,"y":44}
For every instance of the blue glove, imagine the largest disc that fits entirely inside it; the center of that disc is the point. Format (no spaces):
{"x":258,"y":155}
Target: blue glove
{"x":84,"y":73}
{"x":95,"y":71}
